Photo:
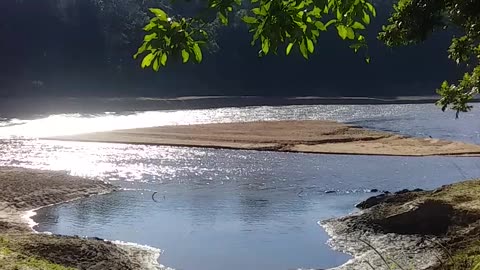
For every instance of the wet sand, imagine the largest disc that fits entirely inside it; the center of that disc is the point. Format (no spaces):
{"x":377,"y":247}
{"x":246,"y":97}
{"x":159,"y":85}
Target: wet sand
{"x":322,"y":137}
{"x":23,"y":190}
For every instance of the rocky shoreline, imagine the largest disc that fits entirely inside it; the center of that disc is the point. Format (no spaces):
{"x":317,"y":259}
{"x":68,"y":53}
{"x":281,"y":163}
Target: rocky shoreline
{"x":24,"y":190}
{"x":438,"y":229}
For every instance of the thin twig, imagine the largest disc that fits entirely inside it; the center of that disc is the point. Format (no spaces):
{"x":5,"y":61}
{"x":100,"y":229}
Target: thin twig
{"x":443,"y":247}
{"x":371,"y":266}
{"x":376,"y":251}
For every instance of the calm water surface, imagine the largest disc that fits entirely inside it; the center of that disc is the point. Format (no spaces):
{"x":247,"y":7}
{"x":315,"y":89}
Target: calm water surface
{"x":226,"y":209}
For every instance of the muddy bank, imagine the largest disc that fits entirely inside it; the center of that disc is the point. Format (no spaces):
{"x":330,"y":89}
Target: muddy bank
{"x":25,"y":189}
{"x":324,"y":137}
{"x":437,"y":229}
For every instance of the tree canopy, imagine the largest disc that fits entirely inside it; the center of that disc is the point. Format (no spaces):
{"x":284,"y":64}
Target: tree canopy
{"x":274,"y":25}
{"x":282,"y":25}
{"x":413,"y":21}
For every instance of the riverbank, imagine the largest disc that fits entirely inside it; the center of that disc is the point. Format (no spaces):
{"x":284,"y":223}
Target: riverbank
{"x":24,"y":190}
{"x":21,"y":107}
{"x":434,"y":230}
{"x":322,"y":137}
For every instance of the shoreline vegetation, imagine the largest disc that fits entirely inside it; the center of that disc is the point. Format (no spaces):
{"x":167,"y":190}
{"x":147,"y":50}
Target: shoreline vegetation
{"x":25,"y":190}
{"x":321,"y":137}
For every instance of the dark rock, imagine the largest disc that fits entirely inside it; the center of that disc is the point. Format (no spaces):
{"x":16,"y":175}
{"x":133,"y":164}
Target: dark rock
{"x":330,"y":191}
{"x":403,"y":191}
{"x":428,"y":218}
{"x":96,"y":238}
{"x":374,"y":190}
{"x":372,"y":201}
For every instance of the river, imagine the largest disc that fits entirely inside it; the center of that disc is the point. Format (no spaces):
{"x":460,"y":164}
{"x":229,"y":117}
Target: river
{"x":225,"y":209}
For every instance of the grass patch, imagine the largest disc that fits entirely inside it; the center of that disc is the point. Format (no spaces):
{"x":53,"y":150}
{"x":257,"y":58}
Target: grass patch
{"x":13,"y":260}
{"x":466,"y":259}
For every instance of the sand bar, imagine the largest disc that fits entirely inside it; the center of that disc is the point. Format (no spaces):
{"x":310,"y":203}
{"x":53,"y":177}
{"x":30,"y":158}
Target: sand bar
{"x":323,"y":137}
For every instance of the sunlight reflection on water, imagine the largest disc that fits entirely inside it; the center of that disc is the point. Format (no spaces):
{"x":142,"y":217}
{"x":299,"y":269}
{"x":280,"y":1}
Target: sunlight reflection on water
{"x":67,"y":124}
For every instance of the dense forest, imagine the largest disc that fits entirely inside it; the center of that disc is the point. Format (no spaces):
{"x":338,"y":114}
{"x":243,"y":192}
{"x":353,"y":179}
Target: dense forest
{"x":85,"y":48}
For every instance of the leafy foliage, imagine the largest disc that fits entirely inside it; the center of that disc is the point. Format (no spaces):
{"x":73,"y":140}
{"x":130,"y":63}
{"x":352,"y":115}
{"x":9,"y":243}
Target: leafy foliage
{"x":414,"y":20}
{"x":274,"y":24}
{"x":169,"y":37}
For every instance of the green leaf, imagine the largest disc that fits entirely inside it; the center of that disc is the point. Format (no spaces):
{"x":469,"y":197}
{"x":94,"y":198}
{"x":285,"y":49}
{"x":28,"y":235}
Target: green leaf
{"x":315,"y":12}
{"x":198,"y":52}
{"x":265,"y":45}
{"x":149,"y":26}
{"x":366,"y":18}
{"x":160,"y":14}
{"x":367,"y":59}
{"x":301,"y":5}
{"x":156,"y":64}
{"x":168,"y":40}
{"x":185,"y":56}
{"x":147,"y":60}
{"x":303,"y":49}
{"x":289,"y":48}
{"x":350,"y":33}
{"x":249,"y":20}
{"x":326,"y":9}
{"x":150,"y":37}
{"x":371,"y":8}
{"x":163,"y":59}
{"x":267,"y":6}
{"x":339,"y":15}
{"x":357,"y":25}
{"x":355,"y":47}
{"x":140,"y":50}
{"x":332,"y":21}
{"x":342,"y":31}
{"x":223,"y":18}
{"x":230,"y":9}
{"x":258,"y":11}
{"x":310,"y":46}
{"x":320,"y":26}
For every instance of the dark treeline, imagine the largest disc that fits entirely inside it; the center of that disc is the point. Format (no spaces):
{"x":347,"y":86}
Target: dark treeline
{"x":85,"y":48}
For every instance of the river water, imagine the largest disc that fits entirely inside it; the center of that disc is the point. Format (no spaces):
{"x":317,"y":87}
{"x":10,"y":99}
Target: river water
{"x":225,"y":209}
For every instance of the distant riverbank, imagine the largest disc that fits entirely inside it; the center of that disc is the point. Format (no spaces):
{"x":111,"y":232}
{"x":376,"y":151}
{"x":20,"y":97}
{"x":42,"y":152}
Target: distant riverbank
{"x":21,"y":107}
{"x":322,"y":137}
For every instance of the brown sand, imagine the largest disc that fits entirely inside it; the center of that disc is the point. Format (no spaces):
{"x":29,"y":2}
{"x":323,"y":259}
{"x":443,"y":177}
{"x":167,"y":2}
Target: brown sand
{"x":26,"y":189}
{"x":325,"y":137}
